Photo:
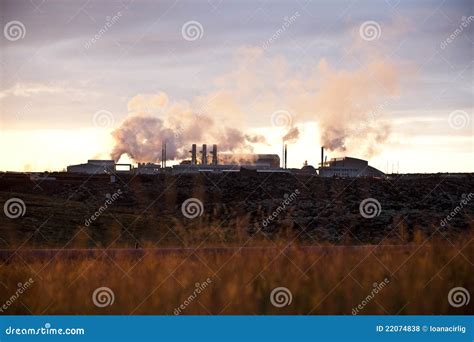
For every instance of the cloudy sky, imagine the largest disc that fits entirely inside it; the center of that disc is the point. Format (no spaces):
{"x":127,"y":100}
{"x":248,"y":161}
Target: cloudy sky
{"x":390,"y":81}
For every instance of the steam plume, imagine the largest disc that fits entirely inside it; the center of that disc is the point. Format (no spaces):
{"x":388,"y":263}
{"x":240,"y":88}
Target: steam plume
{"x":346,"y":104}
{"x":292,"y":135}
{"x":349,"y":103}
{"x":142,"y":134}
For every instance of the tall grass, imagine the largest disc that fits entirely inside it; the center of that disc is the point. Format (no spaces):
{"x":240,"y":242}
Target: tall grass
{"x":327,"y":281}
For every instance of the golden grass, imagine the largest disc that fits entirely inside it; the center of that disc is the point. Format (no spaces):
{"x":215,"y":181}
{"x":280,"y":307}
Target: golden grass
{"x":329,"y":281}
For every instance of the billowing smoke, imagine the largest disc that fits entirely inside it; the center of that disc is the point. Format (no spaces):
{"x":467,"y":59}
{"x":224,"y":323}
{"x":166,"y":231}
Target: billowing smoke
{"x":292,"y":135}
{"x":143,"y":132}
{"x":349,"y":104}
{"x":256,"y":139}
{"x":141,"y":137}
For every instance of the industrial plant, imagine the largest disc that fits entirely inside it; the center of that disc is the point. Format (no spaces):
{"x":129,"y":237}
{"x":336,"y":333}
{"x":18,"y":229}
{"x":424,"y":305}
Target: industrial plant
{"x":347,"y":167}
{"x":215,"y":162}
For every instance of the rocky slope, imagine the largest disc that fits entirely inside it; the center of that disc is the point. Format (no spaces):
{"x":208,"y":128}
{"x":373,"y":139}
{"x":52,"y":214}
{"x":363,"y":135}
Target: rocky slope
{"x":235,"y":206}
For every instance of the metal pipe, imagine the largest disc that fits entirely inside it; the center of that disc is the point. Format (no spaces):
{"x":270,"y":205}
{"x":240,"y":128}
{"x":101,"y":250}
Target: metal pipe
{"x":283,"y":155}
{"x":322,"y":156}
{"x":204,"y":154}
{"x":193,"y":155}
{"x":286,"y":156}
{"x":214,"y":154}
{"x":163,"y":157}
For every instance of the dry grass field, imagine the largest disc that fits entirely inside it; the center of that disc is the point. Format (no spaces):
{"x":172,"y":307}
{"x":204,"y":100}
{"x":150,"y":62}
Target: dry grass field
{"x":325,"y":255}
{"x":330,"y":280}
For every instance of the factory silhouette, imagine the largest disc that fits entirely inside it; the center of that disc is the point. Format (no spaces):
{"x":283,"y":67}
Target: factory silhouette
{"x":215,"y":162}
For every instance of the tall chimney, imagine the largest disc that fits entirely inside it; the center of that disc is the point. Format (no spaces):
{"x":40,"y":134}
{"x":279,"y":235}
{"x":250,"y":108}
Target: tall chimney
{"x":322,"y":156}
{"x":283,"y":155}
{"x":214,"y":154}
{"x":286,"y":155}
{"x":204,"y":154}
{"x":163,"y":155}
{"x":193,"y":154}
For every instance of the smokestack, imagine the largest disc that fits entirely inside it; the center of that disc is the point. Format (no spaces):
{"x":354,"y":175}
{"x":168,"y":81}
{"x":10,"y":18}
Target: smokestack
{"x":214,"y":154}
{"x":322,"y":156}
{"x":283,"y":155}
{"x":163,"y":155}
{"x":204,"y":154}
{"x":286,"y":155}
{"x":193,"y":154}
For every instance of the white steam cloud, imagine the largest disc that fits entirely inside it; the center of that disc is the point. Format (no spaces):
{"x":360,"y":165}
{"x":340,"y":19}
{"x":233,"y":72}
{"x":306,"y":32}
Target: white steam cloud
{"x":143,"y":132}
{"x":346,"y":104}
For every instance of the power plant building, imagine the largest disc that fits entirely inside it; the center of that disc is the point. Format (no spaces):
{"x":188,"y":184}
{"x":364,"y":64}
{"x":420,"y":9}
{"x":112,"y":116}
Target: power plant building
{"x":211,"y":161}
{"x":226,"y":162}
{"x":347,"y":167}
{"x":93,"y":166}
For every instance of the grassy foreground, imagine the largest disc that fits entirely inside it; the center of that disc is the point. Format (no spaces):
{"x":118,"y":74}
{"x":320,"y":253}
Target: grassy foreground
{"x":335,"y":280}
